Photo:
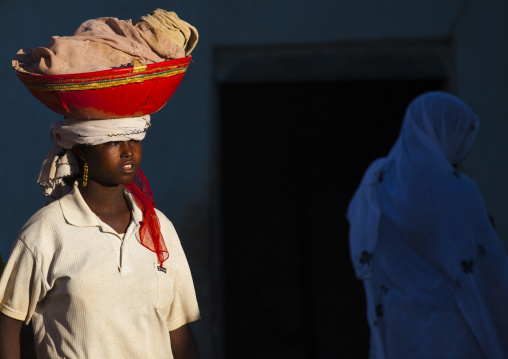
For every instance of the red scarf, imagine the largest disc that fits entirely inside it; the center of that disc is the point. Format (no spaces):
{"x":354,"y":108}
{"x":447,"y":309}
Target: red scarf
{"x":150,"y":230}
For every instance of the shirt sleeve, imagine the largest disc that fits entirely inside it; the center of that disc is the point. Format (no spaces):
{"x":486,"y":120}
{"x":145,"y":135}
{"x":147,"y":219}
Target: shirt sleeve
{"x":21,"y":284}
{"x":184,"y":308}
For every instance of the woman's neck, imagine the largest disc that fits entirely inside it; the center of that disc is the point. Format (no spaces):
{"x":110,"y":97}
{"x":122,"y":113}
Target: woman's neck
{"x":108,"y":203}
{"x":98,"y":196}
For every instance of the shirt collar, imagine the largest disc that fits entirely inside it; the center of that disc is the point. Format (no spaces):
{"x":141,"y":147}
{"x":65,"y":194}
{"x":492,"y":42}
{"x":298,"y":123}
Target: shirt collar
{"x":77,"y":212}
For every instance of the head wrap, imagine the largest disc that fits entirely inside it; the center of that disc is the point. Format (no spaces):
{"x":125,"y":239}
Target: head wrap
{"x":434,"y":270}
{"x":60,"y":163}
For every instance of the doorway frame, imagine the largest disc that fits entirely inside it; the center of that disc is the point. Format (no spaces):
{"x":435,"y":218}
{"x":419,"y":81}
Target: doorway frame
{"x":387,"y":59}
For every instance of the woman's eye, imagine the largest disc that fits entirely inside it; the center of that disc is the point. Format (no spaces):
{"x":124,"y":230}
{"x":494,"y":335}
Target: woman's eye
{"x":113,"y":143}
{"x":135,"y":141}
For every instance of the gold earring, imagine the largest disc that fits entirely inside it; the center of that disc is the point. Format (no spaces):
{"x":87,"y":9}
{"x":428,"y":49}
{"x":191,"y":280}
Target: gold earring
{"x":85,"y":174}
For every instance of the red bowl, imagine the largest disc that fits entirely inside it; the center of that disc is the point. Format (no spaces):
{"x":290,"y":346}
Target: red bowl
{"x":123,"y":92}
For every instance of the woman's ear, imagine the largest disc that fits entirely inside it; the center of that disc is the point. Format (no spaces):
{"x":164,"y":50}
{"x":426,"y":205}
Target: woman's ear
{"x":80,"y":152}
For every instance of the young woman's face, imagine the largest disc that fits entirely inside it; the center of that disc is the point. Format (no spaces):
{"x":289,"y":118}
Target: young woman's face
{"x":113,"y":163}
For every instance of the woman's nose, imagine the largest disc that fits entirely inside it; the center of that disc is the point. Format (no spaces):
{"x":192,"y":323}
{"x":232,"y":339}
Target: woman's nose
{"x":126,"y":148}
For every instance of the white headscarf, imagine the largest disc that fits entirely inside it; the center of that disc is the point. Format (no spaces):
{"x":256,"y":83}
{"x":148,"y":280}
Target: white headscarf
{"x":61,"y":162}
{"x":414,"y":210}
{"x":437,"y":132}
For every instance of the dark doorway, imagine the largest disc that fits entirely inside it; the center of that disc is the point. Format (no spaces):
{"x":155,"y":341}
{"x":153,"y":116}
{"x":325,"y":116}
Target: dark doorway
{"x":292,"y":155}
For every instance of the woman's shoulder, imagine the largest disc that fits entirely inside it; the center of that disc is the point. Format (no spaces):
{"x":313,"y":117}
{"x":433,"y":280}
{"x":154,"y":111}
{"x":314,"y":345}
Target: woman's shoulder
{"x":167,"y":227}
{"x":162,"y":216}
{"x":164,"y":221}
{"x":44,"y":220}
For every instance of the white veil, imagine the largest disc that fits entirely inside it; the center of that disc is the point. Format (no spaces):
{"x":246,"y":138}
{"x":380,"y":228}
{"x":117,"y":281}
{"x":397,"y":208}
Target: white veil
{"x":437,"y":214}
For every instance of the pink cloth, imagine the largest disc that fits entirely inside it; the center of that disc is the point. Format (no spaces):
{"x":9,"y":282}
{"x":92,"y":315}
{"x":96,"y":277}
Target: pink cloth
{"x":106,"y":43}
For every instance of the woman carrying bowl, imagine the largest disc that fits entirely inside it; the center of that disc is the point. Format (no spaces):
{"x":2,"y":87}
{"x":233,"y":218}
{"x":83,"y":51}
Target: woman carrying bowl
{"x":99,"y":271}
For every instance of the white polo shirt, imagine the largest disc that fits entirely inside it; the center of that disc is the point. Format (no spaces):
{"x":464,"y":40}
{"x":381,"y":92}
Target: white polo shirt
{"x":92,"y":294}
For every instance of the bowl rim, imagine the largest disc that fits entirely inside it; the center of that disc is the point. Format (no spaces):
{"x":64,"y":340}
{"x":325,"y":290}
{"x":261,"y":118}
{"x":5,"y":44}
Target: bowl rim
{"x":111,"y":73}
{"x":105,"y":78}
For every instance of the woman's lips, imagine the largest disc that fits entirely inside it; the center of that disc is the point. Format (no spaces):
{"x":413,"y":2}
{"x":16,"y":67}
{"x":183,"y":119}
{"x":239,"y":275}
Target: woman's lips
{"x":128,"y":167}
